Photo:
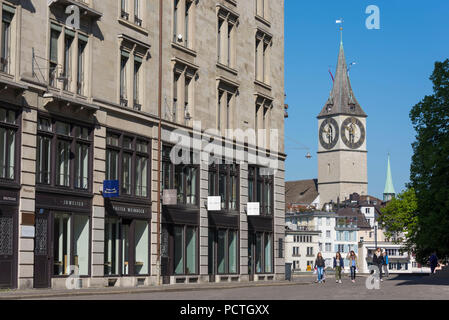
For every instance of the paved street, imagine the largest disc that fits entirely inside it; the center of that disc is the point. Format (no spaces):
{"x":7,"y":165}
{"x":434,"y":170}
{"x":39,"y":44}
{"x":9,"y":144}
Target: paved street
{"x":404,"y":287}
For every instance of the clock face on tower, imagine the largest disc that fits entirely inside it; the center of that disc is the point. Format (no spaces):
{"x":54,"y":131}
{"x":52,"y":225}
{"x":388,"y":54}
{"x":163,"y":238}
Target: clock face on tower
{"x":353,"y":133}
{"x":329,"y":133}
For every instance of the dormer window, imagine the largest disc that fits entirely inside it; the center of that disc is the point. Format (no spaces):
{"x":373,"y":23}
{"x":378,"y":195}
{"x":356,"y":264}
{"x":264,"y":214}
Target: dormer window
{"x":329,"y":108}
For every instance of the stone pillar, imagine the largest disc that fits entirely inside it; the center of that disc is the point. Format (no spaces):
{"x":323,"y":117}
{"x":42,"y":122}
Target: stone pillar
{"x":243,"y":222}
{"x":98,"y":210}
{"x":27,"y":197}
{"x":279,"y":219}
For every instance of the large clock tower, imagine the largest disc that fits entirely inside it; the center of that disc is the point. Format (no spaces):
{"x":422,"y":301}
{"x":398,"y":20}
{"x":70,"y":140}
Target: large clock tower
{"x":342,"y":153}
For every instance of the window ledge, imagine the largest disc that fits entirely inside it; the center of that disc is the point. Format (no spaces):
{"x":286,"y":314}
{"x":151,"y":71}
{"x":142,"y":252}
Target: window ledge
{"x":262,"y":84}
{"x":133,"y":26}
{"x":228,"y":69}
{"x":263,"y":20}
{"x":183,"y":49}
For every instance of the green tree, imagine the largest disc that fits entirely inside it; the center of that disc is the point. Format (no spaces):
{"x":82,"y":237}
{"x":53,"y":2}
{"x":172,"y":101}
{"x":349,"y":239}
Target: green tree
{"x":399,"y":218}
{"x":429,"y":174}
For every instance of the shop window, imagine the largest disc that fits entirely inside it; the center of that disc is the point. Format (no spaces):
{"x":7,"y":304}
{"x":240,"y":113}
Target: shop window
{"x":268,"y":253}
{"x":185,"y":253}
{"x":71,"y":243}
{"x":8,"y":137}
{"x":263,"y":252}
{"x":112,"y":244}
{"x":226,"y":251}
{"x":126,"y":247}
{"x":142,"y":245}
{"x":133,"y":155}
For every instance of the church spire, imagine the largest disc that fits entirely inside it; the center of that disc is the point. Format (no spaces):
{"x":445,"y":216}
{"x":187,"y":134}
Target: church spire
{"x":342,"y":99}
{"x":389,"y":192}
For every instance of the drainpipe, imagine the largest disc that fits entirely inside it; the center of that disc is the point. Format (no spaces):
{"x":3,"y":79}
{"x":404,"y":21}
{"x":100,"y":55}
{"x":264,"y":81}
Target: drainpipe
{"x":158,"y":261}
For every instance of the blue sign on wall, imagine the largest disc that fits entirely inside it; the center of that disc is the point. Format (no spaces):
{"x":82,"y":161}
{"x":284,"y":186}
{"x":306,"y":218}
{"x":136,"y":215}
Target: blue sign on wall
{"x":110,"y":188}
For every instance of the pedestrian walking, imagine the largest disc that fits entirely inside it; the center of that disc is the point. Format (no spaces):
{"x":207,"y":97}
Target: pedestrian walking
{"x":433,"y":260}
{"x":352,"y":257}
{"x":385,"y":264}
{"x":339,"y":264}
{"x":378,"y":261}
{"x":319,"y":265}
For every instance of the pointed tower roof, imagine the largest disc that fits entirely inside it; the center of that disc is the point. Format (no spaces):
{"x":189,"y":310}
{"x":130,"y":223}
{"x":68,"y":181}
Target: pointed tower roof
{"x":389,"y":188}
{"x":342,"y":99}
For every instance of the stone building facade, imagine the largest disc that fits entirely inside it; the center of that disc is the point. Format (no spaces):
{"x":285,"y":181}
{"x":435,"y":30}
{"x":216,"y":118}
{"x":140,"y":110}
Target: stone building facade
{"x":79,"y":106}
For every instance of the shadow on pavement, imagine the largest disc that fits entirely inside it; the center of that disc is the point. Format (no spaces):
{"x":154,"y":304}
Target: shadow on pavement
{"x":410,"y":280}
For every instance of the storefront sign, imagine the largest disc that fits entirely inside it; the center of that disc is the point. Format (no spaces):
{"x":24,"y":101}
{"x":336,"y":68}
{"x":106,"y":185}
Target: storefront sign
{"x":128,"y":210}
{"x":110,"y":188}
{"x":27,"y":231}
{"x":60,"y":202}
{"x":170,"y":197}
{"x":213,"y":203}
{"x":9,"y":197}
{"x":253,"y":209}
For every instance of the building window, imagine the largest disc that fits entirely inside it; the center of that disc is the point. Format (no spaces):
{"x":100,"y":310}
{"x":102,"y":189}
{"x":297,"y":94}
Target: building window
{"x":68,"y":41}
{"x":183,"y":93}
{"x":262,"y":9}
{"x":72,"y":74}
{"x":182,"y":32}
{"x":263,"y":57}
{"x":328,"y":234}
{"x":183,"y":177}
{"x":131,"y":154}
{"x":226,"y":109}
{"x":71,"y":243}
{"x":224,"y":182}
{"x":6,"y":57}
{"x":226,"y":38}
{"x":263,"y":121}
{"x":8,"y":138}
{"x":328,"y":247}
{"x":309,"y":251}
{"x":124,"y":14}
{"x":80,"y":83}
{"x":53,"y":68}
{"x":137,"y":17}
{"x":136,"y":83}
{"x":124,"y":57}
{"x":70,"y":145}
{"x":185,"y":242}
{"x":260,"y":189}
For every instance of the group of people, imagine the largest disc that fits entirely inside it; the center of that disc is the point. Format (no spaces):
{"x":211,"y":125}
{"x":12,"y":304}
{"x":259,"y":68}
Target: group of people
{"x":380,"y":260}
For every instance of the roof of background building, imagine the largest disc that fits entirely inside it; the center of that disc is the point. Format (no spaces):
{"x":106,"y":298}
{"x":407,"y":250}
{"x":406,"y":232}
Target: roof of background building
{"x":354,"y":212}
{"x":301,"y":192}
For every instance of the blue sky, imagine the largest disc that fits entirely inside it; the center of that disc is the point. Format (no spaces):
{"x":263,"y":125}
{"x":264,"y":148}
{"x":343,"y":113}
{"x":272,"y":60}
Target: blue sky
{"x":391,"y":75}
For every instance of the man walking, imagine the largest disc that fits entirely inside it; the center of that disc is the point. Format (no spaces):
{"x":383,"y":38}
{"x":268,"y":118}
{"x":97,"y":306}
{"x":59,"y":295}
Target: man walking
{"x":378,"y":261}
{"x":433,"y":260}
